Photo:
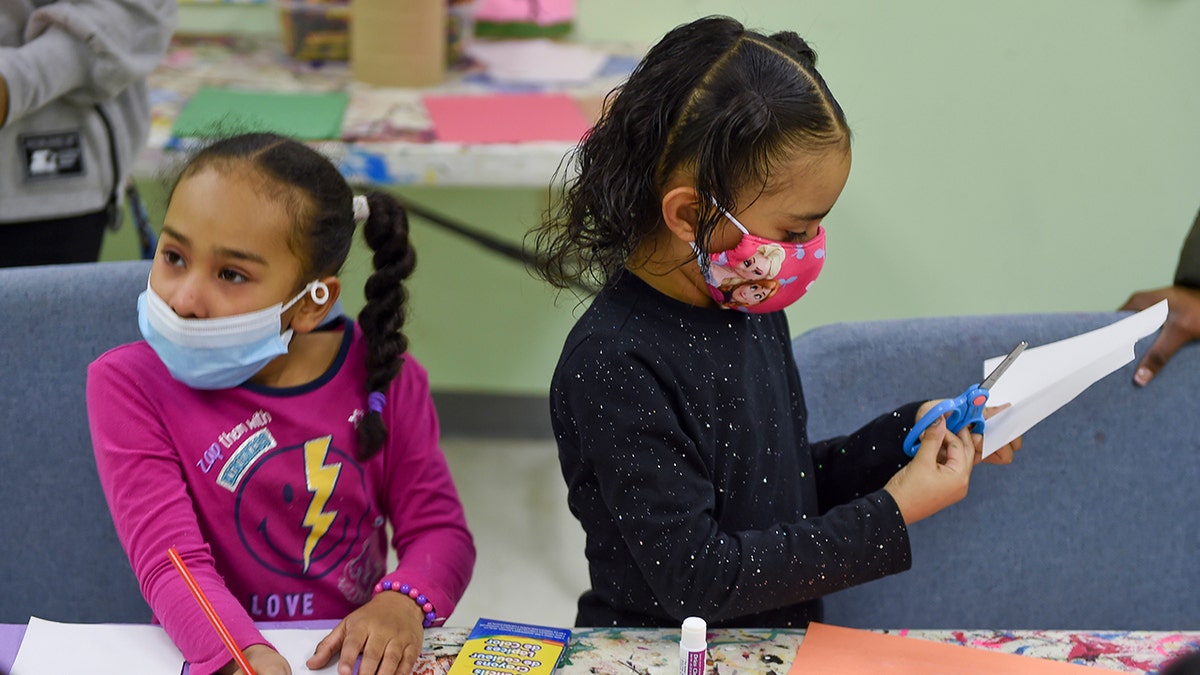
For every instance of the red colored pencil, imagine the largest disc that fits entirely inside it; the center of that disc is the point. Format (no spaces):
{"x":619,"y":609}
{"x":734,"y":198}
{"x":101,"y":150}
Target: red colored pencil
{"x":209,"y":611}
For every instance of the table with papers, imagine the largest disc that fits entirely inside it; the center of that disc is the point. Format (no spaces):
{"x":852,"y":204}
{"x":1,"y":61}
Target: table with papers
{"x":388,"y":135}
{"x":641,"y":651}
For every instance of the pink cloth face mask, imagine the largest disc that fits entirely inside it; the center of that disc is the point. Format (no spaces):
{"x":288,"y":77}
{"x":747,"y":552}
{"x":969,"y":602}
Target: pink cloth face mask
{"x":762,"y":275}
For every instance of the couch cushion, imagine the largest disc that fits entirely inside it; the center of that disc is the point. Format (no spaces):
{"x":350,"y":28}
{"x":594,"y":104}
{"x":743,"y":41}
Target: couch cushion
{"x":1094,"y":525}
{"x":62,"y":560}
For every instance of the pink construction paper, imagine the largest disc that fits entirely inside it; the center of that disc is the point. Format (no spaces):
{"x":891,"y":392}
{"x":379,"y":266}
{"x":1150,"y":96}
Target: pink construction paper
{"x":541,"y":12}
{"x":506,"y":118}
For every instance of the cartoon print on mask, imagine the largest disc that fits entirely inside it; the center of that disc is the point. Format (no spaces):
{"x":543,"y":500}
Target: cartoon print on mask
{"x":741,"y":293}
{"x":764,"y":263}
{"x":761,"y":275}
{"x":321,"y":488}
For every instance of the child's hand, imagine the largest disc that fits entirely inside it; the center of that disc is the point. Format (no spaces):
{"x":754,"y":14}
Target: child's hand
{"x":937,"y":476}
{"x":1003,"y":454}
{"x":386,"y":631}
{"x":264,"y":661}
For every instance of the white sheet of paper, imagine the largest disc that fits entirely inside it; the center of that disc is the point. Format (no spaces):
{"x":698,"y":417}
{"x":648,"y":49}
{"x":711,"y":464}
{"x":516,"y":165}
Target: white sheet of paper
{"x":297,"y":644}
{"x":537,"y":60}
{"x":1045,"y":378}
{"x":55,"y":648}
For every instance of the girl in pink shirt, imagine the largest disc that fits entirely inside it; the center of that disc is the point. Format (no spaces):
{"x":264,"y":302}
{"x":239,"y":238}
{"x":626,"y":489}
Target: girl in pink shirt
{"x":272,"y":441}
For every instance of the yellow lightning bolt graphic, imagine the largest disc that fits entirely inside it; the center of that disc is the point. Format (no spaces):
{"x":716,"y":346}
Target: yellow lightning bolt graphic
{"x":320,"y":479}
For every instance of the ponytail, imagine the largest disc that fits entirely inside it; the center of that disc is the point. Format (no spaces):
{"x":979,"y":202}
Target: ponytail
{"x":382,"y":317}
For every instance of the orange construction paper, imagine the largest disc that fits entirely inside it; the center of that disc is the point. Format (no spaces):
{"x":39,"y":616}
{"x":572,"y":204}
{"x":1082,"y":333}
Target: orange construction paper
{"x":834,"y":650}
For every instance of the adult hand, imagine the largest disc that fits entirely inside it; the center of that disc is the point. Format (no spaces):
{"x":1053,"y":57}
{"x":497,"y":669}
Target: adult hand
{"x":386,"y":631}
{"x":937,"y":476}
{"x":3,"y":101}
{"x":1182,"y":326}
{"x":264,"y":661}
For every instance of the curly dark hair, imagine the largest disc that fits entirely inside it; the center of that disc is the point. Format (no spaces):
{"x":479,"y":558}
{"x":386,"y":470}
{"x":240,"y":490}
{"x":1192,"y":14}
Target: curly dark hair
{"x":722,"y":102}
{"x":320,"y":203}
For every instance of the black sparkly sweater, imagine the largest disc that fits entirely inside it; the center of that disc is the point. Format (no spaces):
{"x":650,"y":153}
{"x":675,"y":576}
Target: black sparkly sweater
{"x":681,"y":435}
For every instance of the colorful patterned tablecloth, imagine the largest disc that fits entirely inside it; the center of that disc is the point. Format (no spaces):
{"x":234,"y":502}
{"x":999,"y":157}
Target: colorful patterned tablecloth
{"x":387,"y":138}
{"x":647,"y":651}
{"x":760,"y":651}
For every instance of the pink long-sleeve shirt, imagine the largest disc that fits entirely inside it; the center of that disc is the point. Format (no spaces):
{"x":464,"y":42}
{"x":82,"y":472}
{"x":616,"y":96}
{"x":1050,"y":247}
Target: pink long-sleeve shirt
{"x":260,"y":491}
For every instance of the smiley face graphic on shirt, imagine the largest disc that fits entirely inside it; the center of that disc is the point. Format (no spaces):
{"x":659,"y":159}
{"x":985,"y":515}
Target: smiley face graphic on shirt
{"x":300,"y":509}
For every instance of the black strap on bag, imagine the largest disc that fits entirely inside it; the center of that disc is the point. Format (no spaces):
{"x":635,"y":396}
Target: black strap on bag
{"x":487,"y":241}
{"x":147,"y":240}
{"x":506,"y":249}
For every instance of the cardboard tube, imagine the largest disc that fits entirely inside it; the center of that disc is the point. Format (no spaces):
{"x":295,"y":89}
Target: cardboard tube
{"x":398,"y":43}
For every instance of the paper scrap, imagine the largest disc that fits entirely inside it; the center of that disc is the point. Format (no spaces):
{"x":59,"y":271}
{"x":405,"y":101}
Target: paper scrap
{"x":834,"y":650}
{"x":1045,"y":378}
{"x":506,"y":118}
{"x":219,"y":111}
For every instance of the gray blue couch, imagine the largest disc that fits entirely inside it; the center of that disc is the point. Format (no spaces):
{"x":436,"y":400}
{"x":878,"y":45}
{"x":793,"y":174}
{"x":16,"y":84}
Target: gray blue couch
{"x":1096,"y":526}
{"x":61,"y":557}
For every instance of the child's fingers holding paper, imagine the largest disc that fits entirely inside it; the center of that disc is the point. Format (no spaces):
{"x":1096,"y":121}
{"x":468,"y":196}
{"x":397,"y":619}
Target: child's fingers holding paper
{"x":1002,"y":455}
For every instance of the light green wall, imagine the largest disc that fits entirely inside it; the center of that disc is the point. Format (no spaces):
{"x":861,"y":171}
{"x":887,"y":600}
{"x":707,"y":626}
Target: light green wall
{"x":1024,"y":156}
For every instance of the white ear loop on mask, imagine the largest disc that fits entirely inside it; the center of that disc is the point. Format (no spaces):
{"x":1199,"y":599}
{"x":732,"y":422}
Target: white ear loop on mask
{"x":317,"y":290}
{"x":737,"y":223}
{"x":729,"y":215}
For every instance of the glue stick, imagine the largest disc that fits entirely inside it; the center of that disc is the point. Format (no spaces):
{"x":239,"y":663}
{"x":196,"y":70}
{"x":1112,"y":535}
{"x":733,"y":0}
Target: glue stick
{"x":693,"y":646}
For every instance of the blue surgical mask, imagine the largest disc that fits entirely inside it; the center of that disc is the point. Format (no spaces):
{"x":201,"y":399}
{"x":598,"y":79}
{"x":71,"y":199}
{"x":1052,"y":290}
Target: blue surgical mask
{"x":218,"y":353}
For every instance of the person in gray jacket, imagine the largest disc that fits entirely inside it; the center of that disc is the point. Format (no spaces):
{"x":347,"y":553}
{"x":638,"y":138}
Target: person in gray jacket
{"x":74,"y":114}
{"x":1183,"y":320}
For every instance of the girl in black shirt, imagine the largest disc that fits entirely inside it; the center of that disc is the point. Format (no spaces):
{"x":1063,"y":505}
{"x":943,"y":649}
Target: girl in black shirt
{"x":681,"y":424}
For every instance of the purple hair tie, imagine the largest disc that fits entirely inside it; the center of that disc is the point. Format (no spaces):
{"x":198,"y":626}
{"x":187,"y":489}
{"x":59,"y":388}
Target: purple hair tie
{"x":375,"y":401}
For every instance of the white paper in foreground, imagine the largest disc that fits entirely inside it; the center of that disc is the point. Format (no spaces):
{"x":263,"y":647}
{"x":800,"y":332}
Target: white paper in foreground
{"x":54,"y":648}
{"x":1044,"y":379}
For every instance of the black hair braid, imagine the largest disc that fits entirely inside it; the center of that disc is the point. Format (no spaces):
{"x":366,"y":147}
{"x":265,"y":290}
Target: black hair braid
{"x":382,"y":317}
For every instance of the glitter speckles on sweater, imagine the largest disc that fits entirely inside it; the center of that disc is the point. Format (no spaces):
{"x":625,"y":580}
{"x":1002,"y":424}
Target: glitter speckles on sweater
{"x":681,"y":434}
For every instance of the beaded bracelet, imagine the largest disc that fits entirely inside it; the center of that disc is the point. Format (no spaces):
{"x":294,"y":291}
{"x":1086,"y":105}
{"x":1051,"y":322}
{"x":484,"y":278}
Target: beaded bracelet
{"x":426,"y":605}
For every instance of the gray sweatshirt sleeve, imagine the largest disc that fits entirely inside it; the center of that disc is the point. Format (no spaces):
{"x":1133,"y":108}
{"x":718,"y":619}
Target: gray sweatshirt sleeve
{"x":87,"y":51}
{"x":1188,"y":271}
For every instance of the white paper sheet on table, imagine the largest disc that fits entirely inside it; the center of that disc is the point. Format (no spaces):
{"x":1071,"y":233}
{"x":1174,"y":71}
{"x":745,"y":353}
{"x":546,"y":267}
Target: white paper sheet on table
{"x":1045,"y":378}
{"x":55,"y":648}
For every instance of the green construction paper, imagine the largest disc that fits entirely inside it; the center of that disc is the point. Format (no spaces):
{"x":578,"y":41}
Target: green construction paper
{"x":214,"y":111}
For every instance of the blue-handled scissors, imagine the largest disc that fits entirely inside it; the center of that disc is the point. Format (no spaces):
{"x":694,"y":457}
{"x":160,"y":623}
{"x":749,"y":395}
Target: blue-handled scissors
{"x":966,"y":408}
